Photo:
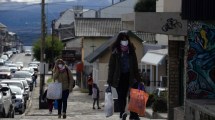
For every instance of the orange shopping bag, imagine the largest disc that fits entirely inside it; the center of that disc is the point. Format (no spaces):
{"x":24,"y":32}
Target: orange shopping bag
{"x":138,"y":99}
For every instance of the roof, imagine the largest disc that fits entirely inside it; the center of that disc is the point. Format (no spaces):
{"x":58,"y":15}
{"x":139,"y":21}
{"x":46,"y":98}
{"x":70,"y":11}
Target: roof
{"x":154,"y":57}
{"x":104,"y":47}
{"x":97,"y":27}
{"x":2,"y":25}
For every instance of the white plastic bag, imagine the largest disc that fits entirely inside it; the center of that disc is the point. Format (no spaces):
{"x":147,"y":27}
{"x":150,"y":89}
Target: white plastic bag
{"x":109,"y":105}
{"x":54,"y":91}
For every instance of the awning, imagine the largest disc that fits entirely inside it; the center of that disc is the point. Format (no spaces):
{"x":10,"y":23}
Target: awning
{"x":154,"y":57}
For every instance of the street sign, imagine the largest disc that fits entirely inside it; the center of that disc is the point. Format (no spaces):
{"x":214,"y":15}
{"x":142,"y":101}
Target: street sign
{"x":43,"y":68}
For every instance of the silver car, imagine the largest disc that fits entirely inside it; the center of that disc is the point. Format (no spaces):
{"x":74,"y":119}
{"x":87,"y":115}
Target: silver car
{"x":20,"y":100}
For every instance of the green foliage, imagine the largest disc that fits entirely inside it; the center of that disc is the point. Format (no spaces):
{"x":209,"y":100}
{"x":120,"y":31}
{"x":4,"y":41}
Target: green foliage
{"x":49,"y":80}
{"x":145,"y":6}
{"x":151,"y":100}
{"x":48,"y":50}
{"x":160,"y":105}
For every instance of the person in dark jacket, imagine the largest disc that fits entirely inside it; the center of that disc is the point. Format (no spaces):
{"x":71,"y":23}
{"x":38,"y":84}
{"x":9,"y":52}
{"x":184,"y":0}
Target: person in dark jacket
{"x":34,"y":77}
{"x":123,"y":71}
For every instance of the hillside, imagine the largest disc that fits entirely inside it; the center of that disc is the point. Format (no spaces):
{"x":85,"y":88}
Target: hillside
{"x":25,"y":21}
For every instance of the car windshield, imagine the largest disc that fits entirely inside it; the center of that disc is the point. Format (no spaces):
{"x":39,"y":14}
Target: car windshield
{"x":16,"y":90}
{"x":14,"y":84}
{"x":4,"y":70}
{"x":21,"y":75}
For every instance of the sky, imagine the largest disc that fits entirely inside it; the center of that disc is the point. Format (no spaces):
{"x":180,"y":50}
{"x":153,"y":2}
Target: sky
{"x":16,"y":4}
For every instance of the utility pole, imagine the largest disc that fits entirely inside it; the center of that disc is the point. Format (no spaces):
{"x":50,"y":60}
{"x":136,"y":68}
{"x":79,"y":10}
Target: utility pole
{"x":43,"y":33}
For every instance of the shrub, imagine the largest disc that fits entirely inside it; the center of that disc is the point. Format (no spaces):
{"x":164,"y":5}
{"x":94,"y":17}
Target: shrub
{"x":160,"y":105}
{"x":49,"y":80}
{"x":151,"y":100}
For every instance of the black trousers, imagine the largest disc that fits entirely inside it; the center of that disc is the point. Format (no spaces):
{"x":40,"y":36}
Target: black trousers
{"x":94,"y":101}
{"x":122,"y":91}
{"x":63,"y":102}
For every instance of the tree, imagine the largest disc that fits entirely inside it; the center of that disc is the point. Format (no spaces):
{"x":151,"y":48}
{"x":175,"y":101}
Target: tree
{"x":49,"y":50}
{"x":145,"y":6}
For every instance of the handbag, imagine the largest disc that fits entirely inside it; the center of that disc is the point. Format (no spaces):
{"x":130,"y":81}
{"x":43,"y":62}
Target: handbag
{"x":69,"y":79}
{"x":138,"y":99}
{"x":109,"y":105}
{"x":54,"y":91}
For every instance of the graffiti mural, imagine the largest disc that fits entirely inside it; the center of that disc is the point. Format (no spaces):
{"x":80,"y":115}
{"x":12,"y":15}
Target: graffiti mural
{"x":201,"y":61}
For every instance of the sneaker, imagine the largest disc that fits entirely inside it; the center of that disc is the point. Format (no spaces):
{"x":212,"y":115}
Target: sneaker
{"x":99,"y":108}
{"x":59,"y":116}
{"x":124,"y":115}
{"x":64,"y":115}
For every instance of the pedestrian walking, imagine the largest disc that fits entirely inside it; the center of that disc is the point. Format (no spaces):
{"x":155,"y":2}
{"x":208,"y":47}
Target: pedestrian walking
{"x":95,"y":95}
{"x":90,"y":83}
{"x":49,"y":101}
{"x":34,"y":78}
{"x":123,"y":71}
{"x":63,"y":75}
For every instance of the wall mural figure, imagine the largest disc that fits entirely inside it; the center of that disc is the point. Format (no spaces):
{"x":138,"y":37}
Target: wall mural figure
{"x":201,"y":61}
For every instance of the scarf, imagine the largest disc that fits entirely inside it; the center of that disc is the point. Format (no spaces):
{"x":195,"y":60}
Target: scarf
{"x":62,"y":69}
{"x":124,"y":48}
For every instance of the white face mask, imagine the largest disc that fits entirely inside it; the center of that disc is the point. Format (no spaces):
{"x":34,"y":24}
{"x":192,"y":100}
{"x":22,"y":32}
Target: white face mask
{"x":124,"y":42}
{"x":60,"y":65}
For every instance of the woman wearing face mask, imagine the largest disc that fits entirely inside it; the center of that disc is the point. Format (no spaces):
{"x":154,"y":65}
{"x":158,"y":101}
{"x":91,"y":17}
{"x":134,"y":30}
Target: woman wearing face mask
{"x":123,"y":72}
{"x":62,"y":74}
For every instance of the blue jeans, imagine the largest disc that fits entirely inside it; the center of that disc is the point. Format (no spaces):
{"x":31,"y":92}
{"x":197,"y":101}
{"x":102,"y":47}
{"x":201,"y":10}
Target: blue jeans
{"x":35,"y":82}
{"x":63,"y":101}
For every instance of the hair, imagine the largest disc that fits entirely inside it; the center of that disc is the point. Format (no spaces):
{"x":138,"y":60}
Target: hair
{"x":116,"y":44}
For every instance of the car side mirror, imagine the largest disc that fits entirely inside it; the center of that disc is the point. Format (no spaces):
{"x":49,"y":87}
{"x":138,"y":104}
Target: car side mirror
{"x":26,"y":88}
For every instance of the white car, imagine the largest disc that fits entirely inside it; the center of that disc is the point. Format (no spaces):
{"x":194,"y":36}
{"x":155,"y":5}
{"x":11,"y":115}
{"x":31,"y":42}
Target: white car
{"x":19,"y":84}
{"x":20,"y":100}
{"x":27,"y":53}
{"x":28,"y":69}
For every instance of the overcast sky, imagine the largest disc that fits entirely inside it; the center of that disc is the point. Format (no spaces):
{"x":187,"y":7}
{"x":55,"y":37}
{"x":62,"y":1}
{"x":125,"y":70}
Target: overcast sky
{"x":37,"y":1}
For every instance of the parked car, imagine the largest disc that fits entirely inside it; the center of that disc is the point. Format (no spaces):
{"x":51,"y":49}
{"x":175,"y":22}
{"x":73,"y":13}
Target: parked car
{"x":4,"y":57}
{"x":6,"y":102}
{"x":18,"y":84}
{"x":13,"y":67}
{"x":5,"y":72}
{"x":20,"y":100}
{"x":25,"y":75}
{"x":34,"y":66}
{"x":28,"y":69}
{"x":26,"y":86}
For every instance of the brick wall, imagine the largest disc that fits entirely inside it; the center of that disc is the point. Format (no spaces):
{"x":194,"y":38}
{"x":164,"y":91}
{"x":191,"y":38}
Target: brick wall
{"x":173,"y":73}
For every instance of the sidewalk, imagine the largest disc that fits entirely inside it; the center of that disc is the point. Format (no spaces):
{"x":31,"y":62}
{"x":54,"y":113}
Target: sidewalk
{"x":79,"y":108}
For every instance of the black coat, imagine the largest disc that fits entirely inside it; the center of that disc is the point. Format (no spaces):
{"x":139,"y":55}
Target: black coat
{"x":114,"y":68}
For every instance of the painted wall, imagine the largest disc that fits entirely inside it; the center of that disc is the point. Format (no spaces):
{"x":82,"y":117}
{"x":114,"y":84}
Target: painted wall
{"x":201,"y":61}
